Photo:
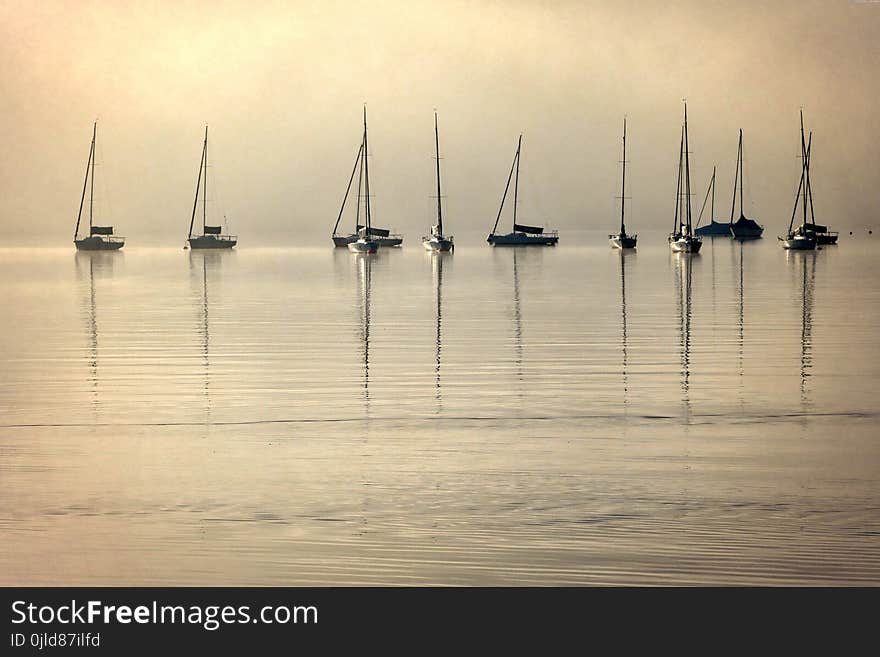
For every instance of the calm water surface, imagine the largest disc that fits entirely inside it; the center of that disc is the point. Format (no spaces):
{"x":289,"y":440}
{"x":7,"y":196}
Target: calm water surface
{"x":510,"y":416}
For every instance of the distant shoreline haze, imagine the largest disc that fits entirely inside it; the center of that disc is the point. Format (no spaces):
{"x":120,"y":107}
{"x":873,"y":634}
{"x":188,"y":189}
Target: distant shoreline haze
{"x":282,"y":88}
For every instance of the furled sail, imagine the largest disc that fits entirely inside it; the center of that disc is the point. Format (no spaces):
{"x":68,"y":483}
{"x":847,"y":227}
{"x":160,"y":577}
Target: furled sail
{"x":535,"y":230}
{"x":102,"y":230}
{"x":213,"y":230}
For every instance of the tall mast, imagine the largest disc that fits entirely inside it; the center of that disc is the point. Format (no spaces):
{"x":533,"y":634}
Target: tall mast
{"x":800,"y":185}
{"x":348,"y":189}
{"x":809,"y":188}
{"x":198,"y":186}
{"x":676,"y":220}
{"x":205,"y":191}
{"x":712,"y":208}
{"x":92,"y":191}
{"x":516,"y":181}
{"x":82,"y":198}
{"x":687,"y":170}
{"x":623,"y":182}
{"x":506,"y":188}
{"x":736,"y":178}
{"x":805,"y":170}
{"x":741,"y":211}
{"x":366,"y":173}
{"x":357,"y":214}
{"x":439,"y":205}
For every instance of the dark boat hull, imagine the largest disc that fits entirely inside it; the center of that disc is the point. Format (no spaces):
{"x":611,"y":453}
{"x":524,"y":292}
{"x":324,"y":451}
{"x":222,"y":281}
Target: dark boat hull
{"x":345,"y":240}
{"x":212,"y":242}
{"x":99,"y":243}
{"x":523,"y":239}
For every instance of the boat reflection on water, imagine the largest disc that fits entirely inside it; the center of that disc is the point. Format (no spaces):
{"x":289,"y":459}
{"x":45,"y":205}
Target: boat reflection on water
{"x":205,"y":267}
{"x":92,"y":266}
{"x":804,"y":266}
{"x":437,"y":261}
{"x":364,"y":266}
{"x":683,"y":271}
{"x":623,"y":258}
{"x":741,"y":288}
{"x":517,"y":321}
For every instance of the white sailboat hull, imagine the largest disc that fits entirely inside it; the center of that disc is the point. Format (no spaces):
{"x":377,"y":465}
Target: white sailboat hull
{"x":685,"y":244}
{"x":363,"y":246}
{"x":438,"y":243}
{"x":623,"y":241}
{"x":798,"y":242}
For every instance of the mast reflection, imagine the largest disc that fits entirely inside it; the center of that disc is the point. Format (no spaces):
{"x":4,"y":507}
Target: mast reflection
{"x":364,"y":266}
{"x":623,"y":257}
{"x":437,"y":258}
{"x":808,"y":278}
{"x":204,"y":266}
{"x":91,"y":265}
{"x":683,"y":277}
{"x":517,"y":319}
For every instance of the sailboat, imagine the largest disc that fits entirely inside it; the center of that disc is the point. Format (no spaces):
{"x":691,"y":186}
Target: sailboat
{"x":743,"y":228}
{"x":714,"y":228}
{"x":823,"y":235}
{"x":622,"y":240}
{"x":682,"y":239}
{"x":212,"y":237}
{"x":365,"y":242}
{"x":380,"y":236}
{"x":437,"y":241}
{"x":100,"y":238}
{"x":804,"y":237}
{"x":522,"y":235}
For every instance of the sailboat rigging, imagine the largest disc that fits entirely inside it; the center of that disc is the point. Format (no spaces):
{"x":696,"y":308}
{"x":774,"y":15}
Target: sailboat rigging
{"x":436,"y":241}
{"x":212,"y":237}
{"x":682,"y":238}
{"x":712,"y":229}
{"x":521,"y":235}
{"x":365,"y":241}
{"x":743,"y":228}
{"x":806,"y":236}
{"x":100,"y":238}
{"x":377,"y":236}
{"x":621,"y":240}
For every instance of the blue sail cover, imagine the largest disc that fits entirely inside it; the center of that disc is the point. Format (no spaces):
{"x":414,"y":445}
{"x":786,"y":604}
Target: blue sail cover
{"x":746,"y":226}
{"x":102,"y":230}
{"x":534,"y":230}
{"x":376,"y":232}
{"x":213,"y":230}
{"x":816,"y":228}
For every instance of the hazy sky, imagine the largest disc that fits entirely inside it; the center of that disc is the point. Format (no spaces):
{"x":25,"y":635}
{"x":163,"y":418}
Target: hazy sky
{"x":282,"y":85}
